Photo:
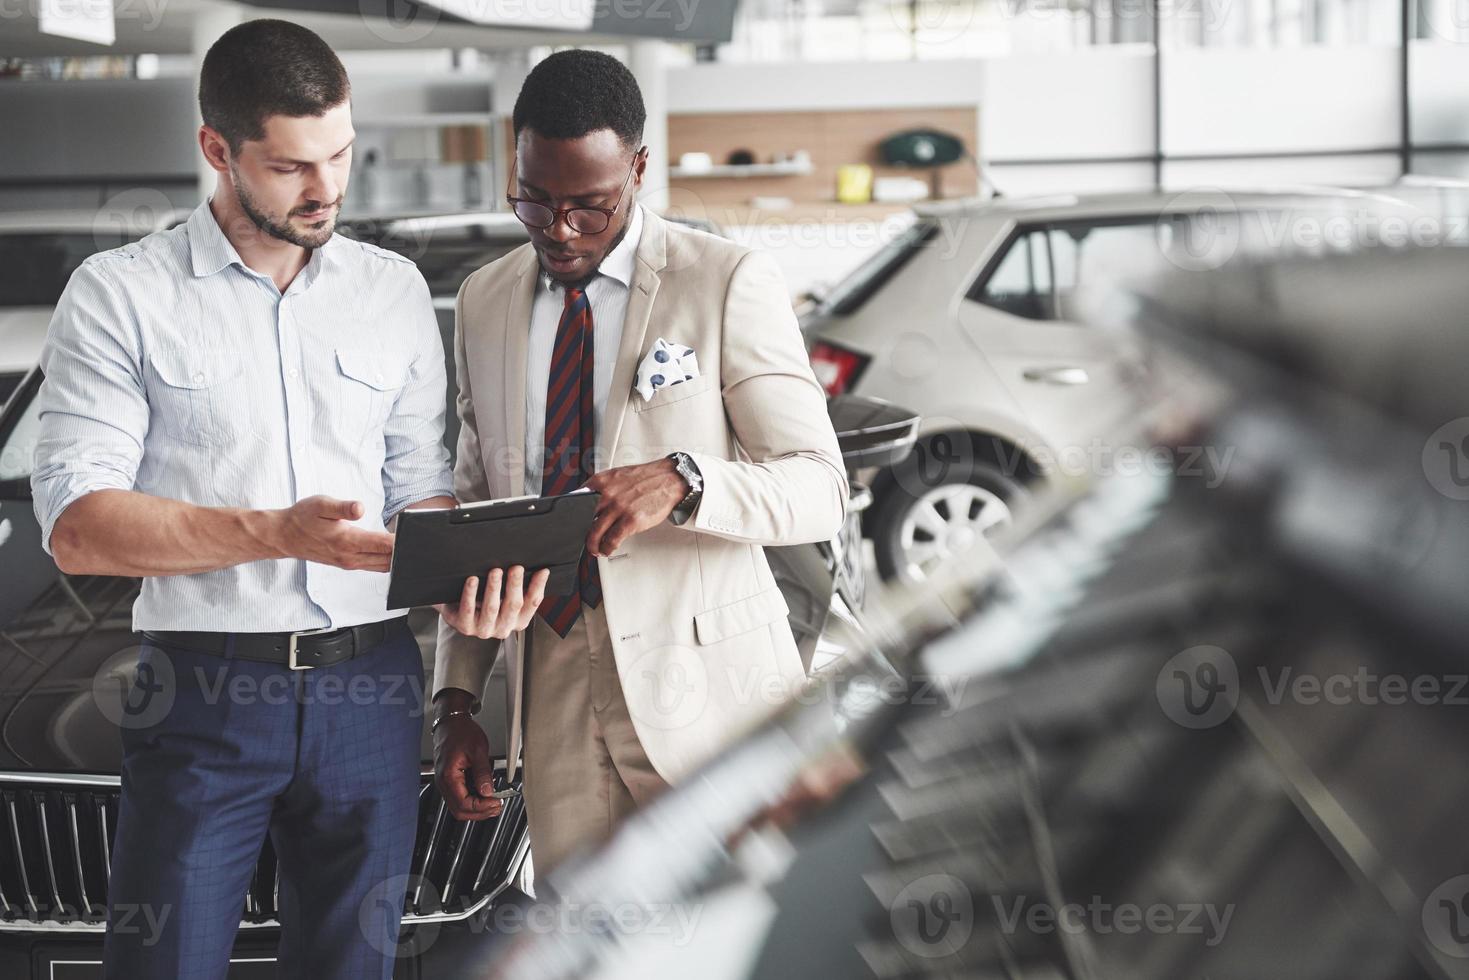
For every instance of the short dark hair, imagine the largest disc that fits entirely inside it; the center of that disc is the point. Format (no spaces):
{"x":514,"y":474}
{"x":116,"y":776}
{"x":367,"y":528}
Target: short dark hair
{"x":264,"y":68}
{"x":572,"y":93}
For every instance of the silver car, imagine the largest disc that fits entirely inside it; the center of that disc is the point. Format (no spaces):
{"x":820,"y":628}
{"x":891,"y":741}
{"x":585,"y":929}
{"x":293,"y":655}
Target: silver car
{"x":973,"y":318}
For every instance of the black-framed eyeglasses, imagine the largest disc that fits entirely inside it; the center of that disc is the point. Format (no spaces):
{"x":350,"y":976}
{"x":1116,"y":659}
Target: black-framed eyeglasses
{"x":582,"y":220}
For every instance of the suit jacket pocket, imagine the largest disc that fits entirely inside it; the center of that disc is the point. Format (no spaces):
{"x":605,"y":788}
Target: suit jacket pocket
{"x":672,"y":393}
{"x":741,"y":616}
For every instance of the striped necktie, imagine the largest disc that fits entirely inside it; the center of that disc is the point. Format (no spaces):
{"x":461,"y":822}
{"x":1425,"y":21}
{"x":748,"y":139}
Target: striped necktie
{"x":569,"y":443}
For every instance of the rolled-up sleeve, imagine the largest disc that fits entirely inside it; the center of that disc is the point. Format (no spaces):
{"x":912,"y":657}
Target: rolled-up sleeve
{"x":416,"y":464}
{"x":93,"y":403}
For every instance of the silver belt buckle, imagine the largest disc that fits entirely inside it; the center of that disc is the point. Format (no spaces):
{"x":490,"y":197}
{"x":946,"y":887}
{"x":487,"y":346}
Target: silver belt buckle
{"x":291,"y":658}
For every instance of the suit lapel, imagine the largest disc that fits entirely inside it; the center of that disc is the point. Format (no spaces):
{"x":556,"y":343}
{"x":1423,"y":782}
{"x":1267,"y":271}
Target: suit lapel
{"x":512,"y":362}
{"x":651,"y":257}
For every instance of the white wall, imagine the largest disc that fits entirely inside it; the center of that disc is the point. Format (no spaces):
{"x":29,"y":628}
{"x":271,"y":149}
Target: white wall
{"x":1439,"y":79}
{"x":1249,"y":100}
{"x":1082,"y":104}
{"x":810,"y":86}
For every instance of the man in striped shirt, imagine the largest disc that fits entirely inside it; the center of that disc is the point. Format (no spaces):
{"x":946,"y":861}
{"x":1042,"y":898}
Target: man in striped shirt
{"x":235,"y":410}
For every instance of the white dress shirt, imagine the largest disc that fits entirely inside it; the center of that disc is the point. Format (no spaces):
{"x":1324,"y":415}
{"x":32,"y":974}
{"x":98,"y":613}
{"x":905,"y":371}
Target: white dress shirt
{"x":607,"y":294}
{"x":174,"y":369}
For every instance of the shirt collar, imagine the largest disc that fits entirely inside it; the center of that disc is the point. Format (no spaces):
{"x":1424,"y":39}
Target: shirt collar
{"x":210,"y":250}
{"x":622,"y":260}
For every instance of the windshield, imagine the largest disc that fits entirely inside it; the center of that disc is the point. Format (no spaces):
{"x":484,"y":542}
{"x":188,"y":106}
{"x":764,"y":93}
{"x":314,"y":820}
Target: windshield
{"x":37,"y":265}
{"x":849,"y":294}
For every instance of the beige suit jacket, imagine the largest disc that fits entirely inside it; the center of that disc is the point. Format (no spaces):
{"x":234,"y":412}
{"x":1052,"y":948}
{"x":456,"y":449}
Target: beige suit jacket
{"x":698,"y":627}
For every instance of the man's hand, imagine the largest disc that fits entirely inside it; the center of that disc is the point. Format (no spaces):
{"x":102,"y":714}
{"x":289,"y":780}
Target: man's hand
{"x":496,"y":618}
{"x":318,"y":529}
{"x":463,"y":769}
{"x":634,"y":498}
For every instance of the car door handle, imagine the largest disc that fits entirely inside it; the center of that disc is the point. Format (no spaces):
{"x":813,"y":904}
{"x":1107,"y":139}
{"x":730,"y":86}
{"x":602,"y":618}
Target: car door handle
{"x":1057,"y":375}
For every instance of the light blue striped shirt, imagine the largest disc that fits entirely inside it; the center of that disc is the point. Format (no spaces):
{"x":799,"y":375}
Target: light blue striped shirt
{"x":175,"y":370}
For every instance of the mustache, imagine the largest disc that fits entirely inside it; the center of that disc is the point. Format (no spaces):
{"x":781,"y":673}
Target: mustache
{"x":315,"y":206}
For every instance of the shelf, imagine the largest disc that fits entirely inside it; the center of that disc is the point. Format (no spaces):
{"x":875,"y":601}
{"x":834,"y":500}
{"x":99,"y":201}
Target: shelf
{"x":790,"y":168}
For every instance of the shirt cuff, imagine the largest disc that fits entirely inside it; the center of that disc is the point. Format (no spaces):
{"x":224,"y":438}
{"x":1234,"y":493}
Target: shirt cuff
{"x":401,"y":497}
{"x":53,"y":496}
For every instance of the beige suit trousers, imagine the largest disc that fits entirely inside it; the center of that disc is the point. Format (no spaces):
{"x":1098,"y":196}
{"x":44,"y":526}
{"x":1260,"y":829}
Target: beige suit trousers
{"x":584,"y":768}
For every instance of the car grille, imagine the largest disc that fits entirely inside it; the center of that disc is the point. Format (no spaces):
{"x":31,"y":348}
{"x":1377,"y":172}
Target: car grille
{"x":56,"y":840}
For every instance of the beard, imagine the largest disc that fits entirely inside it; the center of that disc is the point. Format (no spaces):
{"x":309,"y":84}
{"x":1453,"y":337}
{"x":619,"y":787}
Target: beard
{"x":611,"y":247}
{"x":311,"y":238}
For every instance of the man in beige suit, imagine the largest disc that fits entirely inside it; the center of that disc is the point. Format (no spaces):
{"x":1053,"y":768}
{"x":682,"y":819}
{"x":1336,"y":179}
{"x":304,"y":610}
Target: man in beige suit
{"x":662,"y":367}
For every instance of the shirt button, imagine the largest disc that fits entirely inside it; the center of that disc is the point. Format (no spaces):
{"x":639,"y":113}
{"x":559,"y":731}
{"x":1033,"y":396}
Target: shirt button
{"x":198,"y":378}
{"x":294,"y":372}
{"x":379,"y":378}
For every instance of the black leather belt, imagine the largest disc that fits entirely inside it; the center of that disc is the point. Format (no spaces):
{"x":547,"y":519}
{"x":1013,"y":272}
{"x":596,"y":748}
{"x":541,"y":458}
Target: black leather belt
{"x":298,"y":651}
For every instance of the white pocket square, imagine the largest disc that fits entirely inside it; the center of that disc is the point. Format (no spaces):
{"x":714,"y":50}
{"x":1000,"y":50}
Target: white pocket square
{"x":666,"y":365}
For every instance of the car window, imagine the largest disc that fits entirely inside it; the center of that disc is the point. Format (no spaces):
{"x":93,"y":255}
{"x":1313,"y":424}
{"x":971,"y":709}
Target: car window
{"x":1021,"y":282}
{"x":9,"y":381}
{"x":18,"y":438}
{"x":37,"y":265}
{"x":858,"y":287}
{"x":1043,"y":270}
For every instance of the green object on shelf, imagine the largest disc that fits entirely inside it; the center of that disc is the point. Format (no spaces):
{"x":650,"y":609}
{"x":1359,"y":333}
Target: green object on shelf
{"x":922,"y":148}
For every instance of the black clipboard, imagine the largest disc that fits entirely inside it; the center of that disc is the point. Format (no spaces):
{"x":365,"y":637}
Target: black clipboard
{"x":436,"y":550}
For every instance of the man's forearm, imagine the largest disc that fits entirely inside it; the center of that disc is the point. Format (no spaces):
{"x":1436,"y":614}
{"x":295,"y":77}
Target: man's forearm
{"x":430,"y":503}
{"x":123,"y":532}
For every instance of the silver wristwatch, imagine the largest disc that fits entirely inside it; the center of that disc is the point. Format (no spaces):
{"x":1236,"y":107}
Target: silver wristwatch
{"x":689,"y":470}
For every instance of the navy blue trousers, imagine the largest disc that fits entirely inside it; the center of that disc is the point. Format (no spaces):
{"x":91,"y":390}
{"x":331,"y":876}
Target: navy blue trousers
{"x":326,"y":761}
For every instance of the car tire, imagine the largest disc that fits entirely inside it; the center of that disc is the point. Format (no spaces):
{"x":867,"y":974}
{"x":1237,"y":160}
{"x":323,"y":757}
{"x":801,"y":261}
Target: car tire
{"x":980,"y":499}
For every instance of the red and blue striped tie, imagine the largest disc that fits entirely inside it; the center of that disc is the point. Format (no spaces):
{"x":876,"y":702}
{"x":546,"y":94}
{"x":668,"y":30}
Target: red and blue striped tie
{"x":569,"y":442}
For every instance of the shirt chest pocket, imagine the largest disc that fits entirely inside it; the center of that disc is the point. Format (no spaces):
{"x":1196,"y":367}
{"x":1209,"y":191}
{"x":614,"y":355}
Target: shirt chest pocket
{"x":200,"y":396}
{"x":367,"y":386}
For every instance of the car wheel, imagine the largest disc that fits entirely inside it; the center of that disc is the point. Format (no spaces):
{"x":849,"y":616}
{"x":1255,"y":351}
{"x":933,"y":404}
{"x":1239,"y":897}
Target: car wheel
{"x":915,"y":533}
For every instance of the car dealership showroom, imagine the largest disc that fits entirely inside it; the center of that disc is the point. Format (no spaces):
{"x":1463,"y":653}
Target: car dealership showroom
{"x":734,"y":489}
